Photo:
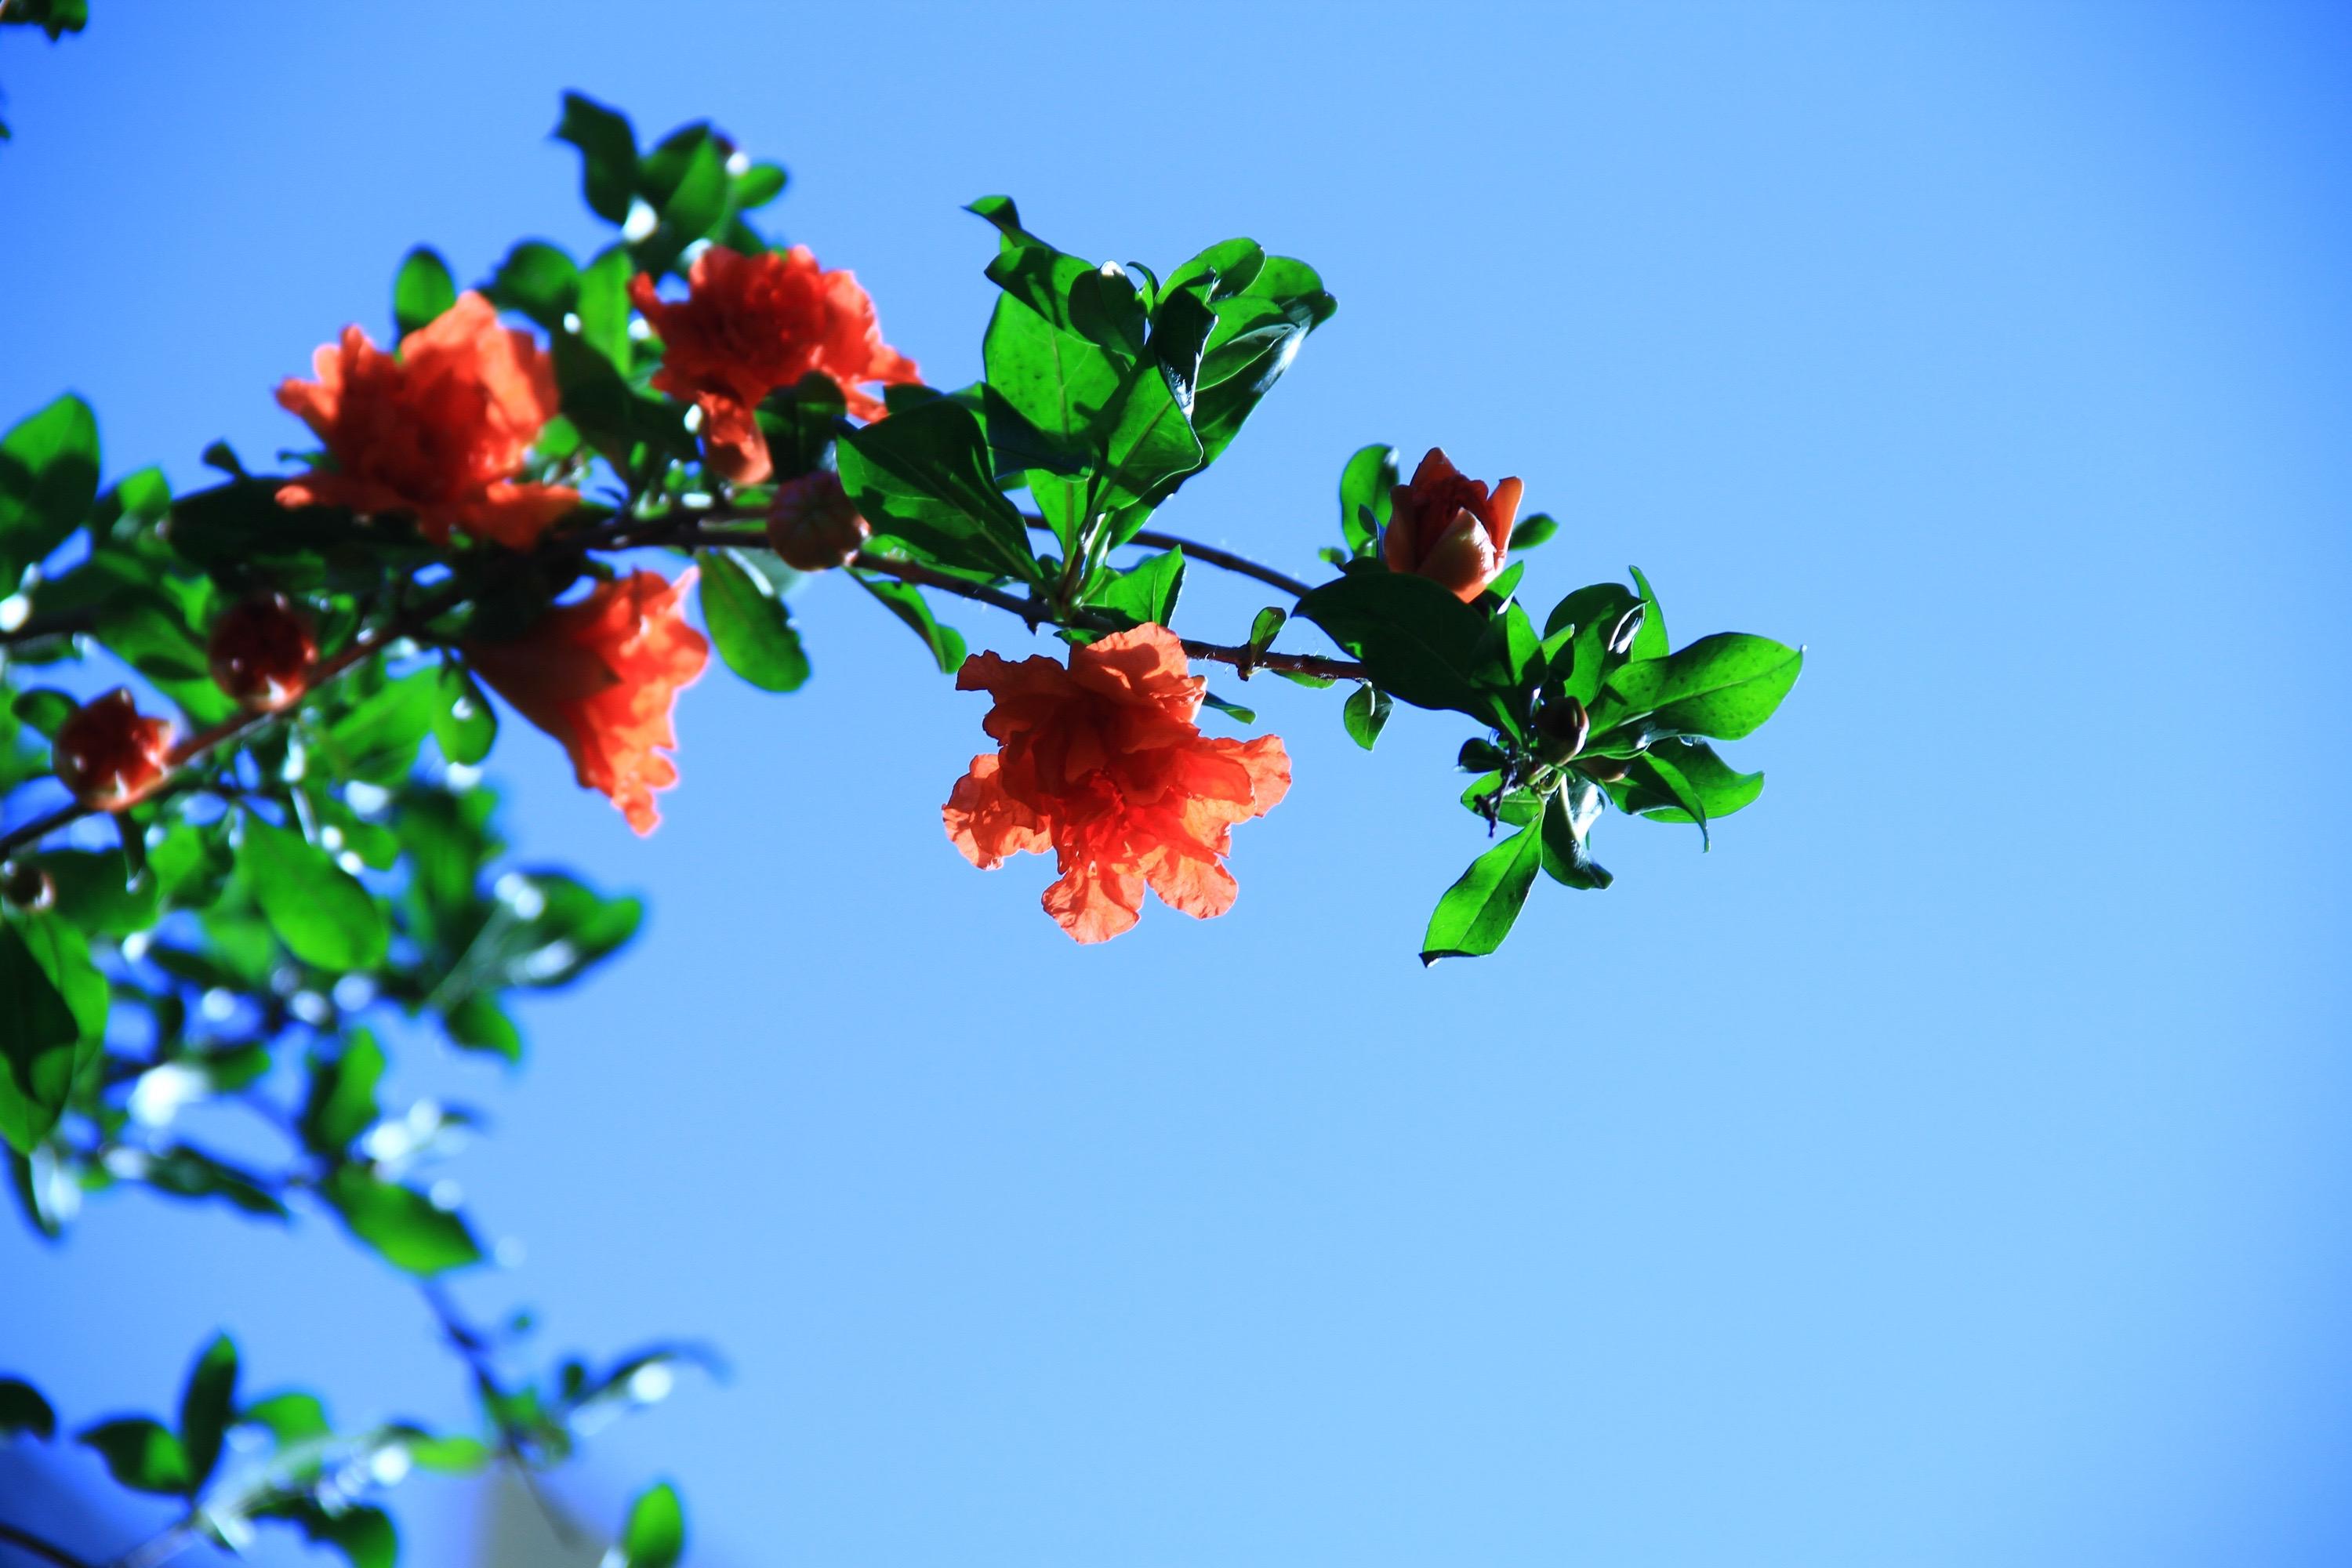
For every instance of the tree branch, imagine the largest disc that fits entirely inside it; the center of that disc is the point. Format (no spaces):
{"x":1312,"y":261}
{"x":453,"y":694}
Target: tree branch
{"x":468,"y":1341}
{"x":33,"y":1546}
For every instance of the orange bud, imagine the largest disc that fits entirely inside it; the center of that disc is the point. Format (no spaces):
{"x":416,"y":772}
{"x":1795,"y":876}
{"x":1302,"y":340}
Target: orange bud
{"x":1448,"y":529}
{"x":111,"y":754}
{"x":261,"y":653}
{"x":813,"y":525}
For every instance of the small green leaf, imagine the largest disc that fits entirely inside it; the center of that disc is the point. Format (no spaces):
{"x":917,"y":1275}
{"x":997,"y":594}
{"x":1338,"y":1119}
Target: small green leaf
{"x":205,"y":1408}
{"x":1477,"y":913}
{"x":1650,"y":642}
{"x":479,"y":1023}
{"x":655,"y":1535}
{"x":44,"y":710}
{"x":1725,"y":685}
{"x":1267,"y":627}
{"x":422,"y":290}
{"x":1364,"y":713}
{"x":1568,"y":821}
{"x":48,"y":481}
{"x":142,"y":1455}
{"x":748,"y":622}
{"x":758,"y":185}
{"x":1532,"y":530}
{"x":1145,"y":592}
{"x":98,"y":892}
{"x":292,"y":1417}
{"x":23,"y":1410}
{"x":400,"y":1224}
{"x":319,"y":911}
{"x":924,"y":476}
{"x":1366,"y":489}
{"x":465,"y":725}
{"x":1233,"y":711}
{"x":53,"y":1007}
{"x":341,"y":1103}
{"x":608,"y":152}
{"x":539,"y":281}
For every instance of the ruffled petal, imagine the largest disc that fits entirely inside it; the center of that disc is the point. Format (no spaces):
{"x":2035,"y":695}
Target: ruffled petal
{"x":987,"y":824}
{"x":1095,"y":902}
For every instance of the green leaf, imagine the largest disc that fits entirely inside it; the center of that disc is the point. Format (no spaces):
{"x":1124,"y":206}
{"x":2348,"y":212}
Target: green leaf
{"x":758,"y":185}
{"x":1055,"y":380}
{"x":1477,"y":913}
{"x":1267,"y":626}
{"x":692,"y":209}
{"x":748,"y":622}
{"x":655,"y":1535}
{"x":1145,"y":592}
{"x":1532,"y":530}
{"x":1650,"y":642}
{"x":142,"y":1455}
{"x":422,"y":289}
{"x":205,"y":1405}
{"x":1577,"y":636}
{"x":604,"y":306}
{"x":342,"y":1098}
{"x":539,"y":281}
{"x":924,"y":476}
{"x":1364,"y":713}
{"x":53,"y":1007}
{"x":292,"y":1417}
{"x":23,"y":1410}
{"x":44,"y":710}
{"x":1518,"y":806}
{"x":447,"y":1456}
{"x":48,"y":481}
{"x":608,"y":152}
{"x":184,"y":1172}
{"x":319,"y":911}
{"x":361,"y":1532}
{"x":546,"y":930}
{"x":465,"y":725}
{"x":1568,"y":815}
{"x":376,"y":740}
{"x":479,"y":1023}
{"x":98,"y":892}
{"x":1725,"y":685}
{"x":1419,"y":642}
{"x":904,"y":601}
{"x":400,"y":1223}
{"x":1720,"y":788}
{"x":1152,"y":445}
{"x":1233,"y":711}
{"x":1365,"y":495}
{"x":1028,"y":269}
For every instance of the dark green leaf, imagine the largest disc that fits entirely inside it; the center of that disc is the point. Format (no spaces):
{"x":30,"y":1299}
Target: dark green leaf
{"x":608,"y":151}
{"x":1477,"y":913}
{"x":205,"y":1405}
{"x":53,"y":1006}
{"x":49,"y":481}
{"x":422,"y":290}
{"x":97,"y":891}
{"x":479,"y":1023}
{"x":1568,"y":821}
{"x":539,"y":281}
{"x":342,"y":1098}
{"x":1723,"y":685}
{"x":184,"y":1172}
{"x":43,"y":711}
{"x":1720,"y":788}
{"x":750,"y":624}
{"x":1576,"y":638}
{"x":319,"y":911}
{"x":1145,"y":592}
{"x":23,"y":1410}
{"x":924,"y":476}
{"x":655,"y":1536}
{"x":400,"y":1224}
{"x":946,"y":644}
{"x":142,"y":1455}
{"x":1419,"y":642}
{"x":1364,"y":713}
{"x":1056,"y":380}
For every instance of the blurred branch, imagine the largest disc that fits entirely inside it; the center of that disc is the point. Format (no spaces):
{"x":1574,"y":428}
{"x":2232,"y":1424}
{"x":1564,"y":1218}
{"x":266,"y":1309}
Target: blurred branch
{"x":475,"y":1350}
{"x":33,"y":1546}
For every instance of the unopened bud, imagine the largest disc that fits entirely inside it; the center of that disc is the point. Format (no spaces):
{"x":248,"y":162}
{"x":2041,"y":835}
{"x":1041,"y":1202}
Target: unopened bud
{"x":111,"y":754}
{"x":1602,"y":770}
{"x":1564,"y":726}
{"x":813,"y":525}
{"x":29,"y":888}
{"x":261,"y":652}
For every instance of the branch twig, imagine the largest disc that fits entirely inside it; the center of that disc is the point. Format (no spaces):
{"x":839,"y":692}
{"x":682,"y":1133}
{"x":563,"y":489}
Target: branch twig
{"x":47,"y":1551}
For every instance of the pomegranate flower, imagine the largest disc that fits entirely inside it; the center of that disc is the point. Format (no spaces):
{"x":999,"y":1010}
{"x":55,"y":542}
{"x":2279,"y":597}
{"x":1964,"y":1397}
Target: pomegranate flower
{"x":750,"y":324}
{"x":601,"y":677}
{"x":1447,"y":528}
{"x":1102,"y":763}
{"x":110,"y":754}
{"x":439,"y":432}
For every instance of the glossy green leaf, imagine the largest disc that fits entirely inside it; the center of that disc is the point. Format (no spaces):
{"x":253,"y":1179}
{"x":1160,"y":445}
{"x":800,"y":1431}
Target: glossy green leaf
{"x":1233,"y":711}
{"x":1518,"y":806}
{"x":422,"y":289}
{"x":758,"y":185}
{"x":1533,"y":530}
{"x":655,"y":1535}
{"x":1420,"y":642}
{"x":539,"y":281}
{"x":1367,"y":490}
{"x":1724,"y":686}
{"x":602,"y":306}
{"x":1568,"y":815}
{"x":1055,"y":380}
{"x":1145,"y":592}
{"x":1477,"y":913}
{"x":400,"y":1223}
{"x":49,"y":481}
{"x":906,"y":602}
{"x":341,"y":1103}
{"x":1650,"y":642}
{"x":23,"y":1412}
{"x":1365,"y":713}
{"x":465,"y":725}
{"x":1577,"y":638}
{"x":205,"y":1405}
{"x":1720,"y":788}
{"x":924,"y":476}
{"x":608,"y":152}
{"x":141,"y":1454}
{"x":98,"y":892}
{"x":748,"y":622}
{"x":319,"y":911}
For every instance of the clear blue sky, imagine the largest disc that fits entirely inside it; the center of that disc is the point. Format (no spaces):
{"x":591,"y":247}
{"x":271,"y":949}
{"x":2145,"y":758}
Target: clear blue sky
{"x":1948,"y":1169}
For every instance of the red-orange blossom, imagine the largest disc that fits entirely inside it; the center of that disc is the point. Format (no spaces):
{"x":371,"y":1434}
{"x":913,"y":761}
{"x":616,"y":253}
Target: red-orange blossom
{"x":1101,"y":763}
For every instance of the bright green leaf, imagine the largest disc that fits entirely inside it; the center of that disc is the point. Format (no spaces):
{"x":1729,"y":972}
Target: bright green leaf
{"x":319,"y":911}
{"x":748,"y":622}
{"x":400,"y":1224}
{"x":1477,"y":910}
{"x":422,"y":290}
{"x":655,"y":1535}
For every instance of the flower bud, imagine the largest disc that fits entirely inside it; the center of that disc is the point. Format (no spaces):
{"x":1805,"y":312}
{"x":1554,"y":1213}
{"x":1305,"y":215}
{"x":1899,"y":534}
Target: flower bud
{"x":29,"y":888}
{"x":1448,"y":529}
{"x":111,"y":754}
{"x":1602,"y":770}
{"x":261,"y":653}
{"x":1564,"y":726}
{"x":813,"y":525}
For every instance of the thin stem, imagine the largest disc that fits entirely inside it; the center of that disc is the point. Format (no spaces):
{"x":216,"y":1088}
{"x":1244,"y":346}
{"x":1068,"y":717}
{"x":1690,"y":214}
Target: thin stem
{"x":160,"y":1548}
{"x":65,"y":624}
{"x":1195,"y":551}
{"x":468,"y":1341}
{"x":47,"y":1551}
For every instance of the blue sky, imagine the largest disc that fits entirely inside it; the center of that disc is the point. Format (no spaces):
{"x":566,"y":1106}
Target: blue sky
{"x":1948,"y":1168}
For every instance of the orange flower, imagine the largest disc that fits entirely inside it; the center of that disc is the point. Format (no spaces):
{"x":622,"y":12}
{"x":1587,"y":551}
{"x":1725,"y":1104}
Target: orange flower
{"x":1102,"y":763}
{"x":111,"y":754}
{"x":750,"y":324}
{"x":602,"y":676}
{"x":261,"y":651}
{"x":439,"y":432}
{"x":1447,"y":529}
